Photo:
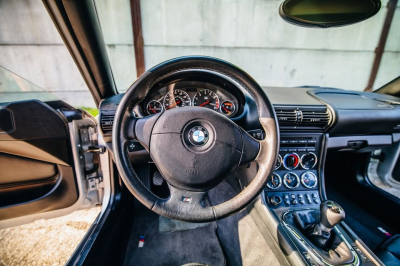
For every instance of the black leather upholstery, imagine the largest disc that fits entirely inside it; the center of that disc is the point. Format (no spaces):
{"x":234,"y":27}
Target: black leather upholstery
{"x":389,"y":251}
{"x":330,"y":248}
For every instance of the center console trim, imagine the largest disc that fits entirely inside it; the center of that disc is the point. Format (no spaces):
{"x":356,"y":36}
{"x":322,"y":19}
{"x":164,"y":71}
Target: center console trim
{"x":312,"y":252}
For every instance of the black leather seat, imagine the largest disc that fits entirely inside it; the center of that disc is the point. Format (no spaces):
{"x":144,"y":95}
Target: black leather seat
{"x":389,"y":251}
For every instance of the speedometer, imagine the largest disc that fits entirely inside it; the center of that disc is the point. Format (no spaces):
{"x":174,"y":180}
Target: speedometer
{"x":179,"y":99}
{"x":206,"y":98}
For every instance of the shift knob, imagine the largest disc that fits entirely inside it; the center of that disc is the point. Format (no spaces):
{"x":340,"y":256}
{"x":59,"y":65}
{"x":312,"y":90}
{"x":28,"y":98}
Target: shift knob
{"x":331,"y":214}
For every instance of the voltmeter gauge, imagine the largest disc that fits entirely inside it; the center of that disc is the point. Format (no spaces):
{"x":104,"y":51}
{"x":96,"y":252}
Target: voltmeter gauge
{"x":274,"y":182}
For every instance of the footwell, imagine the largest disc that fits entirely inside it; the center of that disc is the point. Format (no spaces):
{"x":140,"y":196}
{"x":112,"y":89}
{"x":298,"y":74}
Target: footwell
{"x":199,"y":245}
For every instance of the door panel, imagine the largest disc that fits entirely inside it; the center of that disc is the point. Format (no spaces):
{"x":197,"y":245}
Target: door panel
{"x":16,"y":169}
{"x":36,"y":165}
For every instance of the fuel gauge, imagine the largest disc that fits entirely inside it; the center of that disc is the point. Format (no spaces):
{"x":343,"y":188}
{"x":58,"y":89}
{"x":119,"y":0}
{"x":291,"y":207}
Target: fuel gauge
{"x":228,"y":108}
{"x":154,"y":107}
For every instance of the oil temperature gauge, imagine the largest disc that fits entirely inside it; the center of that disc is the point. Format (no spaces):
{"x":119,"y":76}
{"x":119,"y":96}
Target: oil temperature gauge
{"x":309,"y":180}
{"x":228,"y":108}
{"x":274,"y":182}
{"x":291,"y":180}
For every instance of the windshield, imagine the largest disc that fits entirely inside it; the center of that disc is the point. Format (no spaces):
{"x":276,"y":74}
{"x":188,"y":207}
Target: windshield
{"x":251,"y":35}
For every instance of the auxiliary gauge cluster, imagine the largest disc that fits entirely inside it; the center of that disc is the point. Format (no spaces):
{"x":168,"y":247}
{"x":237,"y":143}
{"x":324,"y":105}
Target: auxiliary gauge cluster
{"x":296,"y":166}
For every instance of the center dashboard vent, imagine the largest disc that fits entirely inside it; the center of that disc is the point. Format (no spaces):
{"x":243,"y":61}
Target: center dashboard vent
{"x":303,"y":118}
{"x":106,"y":123}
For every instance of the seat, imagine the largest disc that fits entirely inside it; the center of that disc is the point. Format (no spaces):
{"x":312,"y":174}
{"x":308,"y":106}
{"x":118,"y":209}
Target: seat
{"x":389,"y":251}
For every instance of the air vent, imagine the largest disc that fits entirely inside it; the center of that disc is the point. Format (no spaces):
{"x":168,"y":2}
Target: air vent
{"x":315,"y":118}
{"x":107,"y":123}
{"x":287,"y":117}
{"x":302,"y":118}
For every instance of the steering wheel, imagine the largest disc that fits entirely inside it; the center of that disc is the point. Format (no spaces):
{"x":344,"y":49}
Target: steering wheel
{"x":194,"y":148}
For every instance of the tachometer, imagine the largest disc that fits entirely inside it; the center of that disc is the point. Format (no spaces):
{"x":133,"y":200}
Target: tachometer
{"x":154,"y":107}
{"x":206,"y":98}
{"x":179,"y":99}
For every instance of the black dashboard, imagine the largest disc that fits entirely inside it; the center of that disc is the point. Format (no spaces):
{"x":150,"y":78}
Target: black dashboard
{"x":311,"y":120}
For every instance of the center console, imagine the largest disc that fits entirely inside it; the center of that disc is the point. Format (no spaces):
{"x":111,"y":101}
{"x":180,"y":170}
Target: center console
{"x":295,"y":181}
{"x":295,"y":196}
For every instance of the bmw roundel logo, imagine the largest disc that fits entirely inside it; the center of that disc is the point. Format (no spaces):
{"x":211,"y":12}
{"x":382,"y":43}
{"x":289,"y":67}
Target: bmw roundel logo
{"x":198,"y":136}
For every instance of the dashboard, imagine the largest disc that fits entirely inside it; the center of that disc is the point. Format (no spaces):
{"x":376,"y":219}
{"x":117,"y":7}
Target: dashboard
{"x":191,"y":93}
{"x":311,"y":120}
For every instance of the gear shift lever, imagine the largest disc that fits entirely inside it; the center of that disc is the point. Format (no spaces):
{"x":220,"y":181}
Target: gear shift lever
{"x":330,"y":215}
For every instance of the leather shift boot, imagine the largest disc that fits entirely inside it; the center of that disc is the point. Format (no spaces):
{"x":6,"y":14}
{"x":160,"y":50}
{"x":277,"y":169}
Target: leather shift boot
{"x":328,"y":244}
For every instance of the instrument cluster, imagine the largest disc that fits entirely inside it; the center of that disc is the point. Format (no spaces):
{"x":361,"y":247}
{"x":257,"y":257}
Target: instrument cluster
{"x":191,"y":93}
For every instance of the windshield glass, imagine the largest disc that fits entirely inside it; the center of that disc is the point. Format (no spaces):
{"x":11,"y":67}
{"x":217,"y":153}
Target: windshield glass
{"x":251,"y":35}
{"x":14,"y":88}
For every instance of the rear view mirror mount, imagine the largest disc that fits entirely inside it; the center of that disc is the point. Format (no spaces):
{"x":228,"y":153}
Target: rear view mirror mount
{"x":327,"y":13}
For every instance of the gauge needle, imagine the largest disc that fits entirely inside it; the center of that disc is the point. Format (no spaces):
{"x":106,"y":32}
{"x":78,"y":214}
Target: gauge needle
{"x":226,"y":110}
{"x":154,"y":111}
{"x":273,"y":182}
{"x":173,"y":105}
{"x":204,"y":103}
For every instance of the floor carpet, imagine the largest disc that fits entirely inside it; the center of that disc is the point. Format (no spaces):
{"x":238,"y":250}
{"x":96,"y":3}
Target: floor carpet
{"x":198,"y":245}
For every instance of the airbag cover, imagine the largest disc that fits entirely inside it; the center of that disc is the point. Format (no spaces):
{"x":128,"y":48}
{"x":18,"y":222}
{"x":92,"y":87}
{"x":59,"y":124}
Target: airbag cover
{"x":190,"y":167}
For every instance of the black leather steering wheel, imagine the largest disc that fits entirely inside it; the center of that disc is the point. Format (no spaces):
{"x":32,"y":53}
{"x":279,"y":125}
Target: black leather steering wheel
{"x":194,"y":148}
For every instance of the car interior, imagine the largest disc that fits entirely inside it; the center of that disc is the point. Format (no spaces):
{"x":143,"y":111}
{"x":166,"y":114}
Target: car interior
{"x":197,"y":164}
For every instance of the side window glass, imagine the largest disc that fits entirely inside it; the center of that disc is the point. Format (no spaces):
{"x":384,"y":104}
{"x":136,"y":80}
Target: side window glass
{"x":15,"y":88}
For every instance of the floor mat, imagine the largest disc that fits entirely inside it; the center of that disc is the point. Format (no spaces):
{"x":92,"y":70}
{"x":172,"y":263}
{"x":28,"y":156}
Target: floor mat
{"x":240,"y":237}
{"x":167,"y":225}
{"x":198,"y":245}
{"x":361,"y":222}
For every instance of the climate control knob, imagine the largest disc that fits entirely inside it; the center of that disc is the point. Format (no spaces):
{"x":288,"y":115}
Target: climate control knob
{"x":291,"y":161}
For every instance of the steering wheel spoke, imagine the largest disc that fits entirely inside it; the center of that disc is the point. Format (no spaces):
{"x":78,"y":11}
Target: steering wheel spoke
{"x":187,"y":203}
{"x":251,"y":148}
{"x":142,"y":129}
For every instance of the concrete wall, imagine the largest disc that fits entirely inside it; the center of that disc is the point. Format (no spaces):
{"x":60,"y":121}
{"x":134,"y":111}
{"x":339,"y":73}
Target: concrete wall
{"x":248,"y":33}
{"x":31,"y":47}
{"x":251,"y":35}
